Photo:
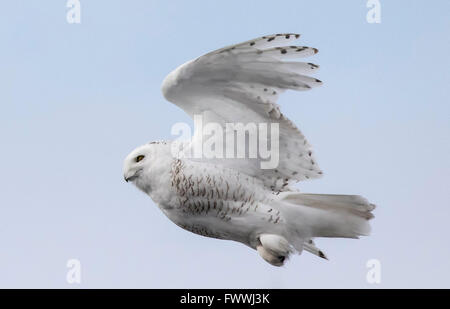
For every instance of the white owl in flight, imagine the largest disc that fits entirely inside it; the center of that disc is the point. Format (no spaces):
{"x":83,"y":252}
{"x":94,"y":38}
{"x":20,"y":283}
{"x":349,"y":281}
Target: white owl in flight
{"x":235,"y":198}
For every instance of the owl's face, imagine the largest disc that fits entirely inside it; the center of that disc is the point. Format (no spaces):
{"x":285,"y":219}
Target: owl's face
{"x":141,"y":165}
{"x":137,"y":161}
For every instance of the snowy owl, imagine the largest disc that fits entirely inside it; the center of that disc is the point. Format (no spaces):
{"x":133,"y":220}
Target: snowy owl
{"x":236,"y":198}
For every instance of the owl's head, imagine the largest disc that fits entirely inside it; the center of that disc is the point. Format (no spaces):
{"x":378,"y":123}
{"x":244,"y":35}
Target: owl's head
{"x":141,"y":160}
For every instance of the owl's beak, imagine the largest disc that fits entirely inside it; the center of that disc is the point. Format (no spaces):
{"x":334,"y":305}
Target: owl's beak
{"x":133,"y":176}
{"x":129,"y":178}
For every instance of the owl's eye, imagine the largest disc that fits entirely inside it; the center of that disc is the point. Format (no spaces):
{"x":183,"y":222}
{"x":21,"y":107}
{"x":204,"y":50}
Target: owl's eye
{"x":139,"y":158}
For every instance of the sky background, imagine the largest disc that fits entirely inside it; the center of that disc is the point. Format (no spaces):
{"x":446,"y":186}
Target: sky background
{"x":77,"y":98}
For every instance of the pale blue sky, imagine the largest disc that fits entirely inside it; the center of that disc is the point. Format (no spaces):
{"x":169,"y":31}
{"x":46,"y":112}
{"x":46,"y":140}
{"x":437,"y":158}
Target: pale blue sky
{"x":76,"y":98}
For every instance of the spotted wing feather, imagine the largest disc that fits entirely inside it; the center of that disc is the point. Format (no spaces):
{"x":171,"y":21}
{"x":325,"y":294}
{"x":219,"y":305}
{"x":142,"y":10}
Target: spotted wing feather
{"x":242,"y":83}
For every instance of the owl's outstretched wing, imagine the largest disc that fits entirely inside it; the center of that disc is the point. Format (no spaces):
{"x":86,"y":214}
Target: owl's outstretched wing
{"x":241,"y":84}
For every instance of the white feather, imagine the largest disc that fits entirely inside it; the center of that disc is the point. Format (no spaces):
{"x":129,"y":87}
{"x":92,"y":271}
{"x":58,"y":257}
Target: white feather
{"x":241,"y":83}
{"x":235,"y":199}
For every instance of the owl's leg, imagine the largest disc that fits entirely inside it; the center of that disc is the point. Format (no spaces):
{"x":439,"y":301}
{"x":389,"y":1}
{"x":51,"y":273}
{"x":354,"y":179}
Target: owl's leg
{"x":274,"y":249}
{"x":270,"y":258}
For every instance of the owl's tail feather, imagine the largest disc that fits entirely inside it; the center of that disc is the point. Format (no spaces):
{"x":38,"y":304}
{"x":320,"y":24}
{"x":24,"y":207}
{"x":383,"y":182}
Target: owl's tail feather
{"x":314,"y":215}
{"x":327,"y":215}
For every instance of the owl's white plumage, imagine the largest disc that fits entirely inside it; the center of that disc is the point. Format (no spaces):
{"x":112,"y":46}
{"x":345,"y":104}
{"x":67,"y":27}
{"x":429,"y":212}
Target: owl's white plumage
{"x":234,"y":198}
